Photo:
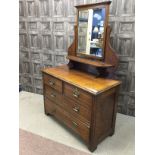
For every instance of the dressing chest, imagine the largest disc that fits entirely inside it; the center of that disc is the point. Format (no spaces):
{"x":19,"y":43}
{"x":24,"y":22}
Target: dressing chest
{"x":83,"y":94}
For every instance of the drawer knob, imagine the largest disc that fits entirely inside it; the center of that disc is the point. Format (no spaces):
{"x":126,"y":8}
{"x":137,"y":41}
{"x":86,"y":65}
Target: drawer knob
{"x":52,"y":83}
{"x":74,"y":124}
{"x":76,"y":109}
{"x":53,"y":95}
{"x":76,"y":93}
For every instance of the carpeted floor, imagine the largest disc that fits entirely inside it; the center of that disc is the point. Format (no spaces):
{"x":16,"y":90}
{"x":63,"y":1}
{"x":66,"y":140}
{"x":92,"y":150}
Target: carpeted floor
{"x":32,"y":144}
{"x":33,"y":119}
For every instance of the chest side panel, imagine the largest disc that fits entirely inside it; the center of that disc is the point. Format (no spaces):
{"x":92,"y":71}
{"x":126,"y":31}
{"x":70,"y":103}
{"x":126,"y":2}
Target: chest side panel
{"x":104,"y":114}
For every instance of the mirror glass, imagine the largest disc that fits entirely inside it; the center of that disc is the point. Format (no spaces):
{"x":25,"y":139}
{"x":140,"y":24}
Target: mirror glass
{"x":91,"y":32}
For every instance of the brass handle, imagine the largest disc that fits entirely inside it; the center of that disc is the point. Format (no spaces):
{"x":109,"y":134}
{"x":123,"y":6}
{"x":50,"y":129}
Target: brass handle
{"x":53,"y":95}
{"x":88,"y":126}
{"x":52,"y":83}
{"x":76,"y":93}
{"x":75,"y":124}
{"x":76,"y":109}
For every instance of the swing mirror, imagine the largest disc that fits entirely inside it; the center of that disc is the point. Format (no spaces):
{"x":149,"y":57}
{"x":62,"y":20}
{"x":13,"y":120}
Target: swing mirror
{"x":91,"y":32}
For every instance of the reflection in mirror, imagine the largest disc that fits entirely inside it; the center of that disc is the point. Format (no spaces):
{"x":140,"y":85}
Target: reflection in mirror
{"x":91,"y":32}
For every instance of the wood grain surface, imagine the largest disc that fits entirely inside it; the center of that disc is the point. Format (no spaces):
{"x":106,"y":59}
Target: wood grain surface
{"x":83,"y":80}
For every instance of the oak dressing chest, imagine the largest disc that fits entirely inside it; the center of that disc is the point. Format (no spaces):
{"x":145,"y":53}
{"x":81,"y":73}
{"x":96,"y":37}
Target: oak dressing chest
{"x":83,"y":94}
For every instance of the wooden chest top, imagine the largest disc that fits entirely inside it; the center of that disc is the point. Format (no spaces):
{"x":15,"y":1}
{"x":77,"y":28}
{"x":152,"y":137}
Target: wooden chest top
{"x":85,"y":81}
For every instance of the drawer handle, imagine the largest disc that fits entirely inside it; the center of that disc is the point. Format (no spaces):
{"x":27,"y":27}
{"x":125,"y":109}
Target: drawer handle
{"x":74,"y":124}
{"x":76,"y":93}
{"x":52,"y":83}
{"x":53,"y":95}
{"x":76,"y":109}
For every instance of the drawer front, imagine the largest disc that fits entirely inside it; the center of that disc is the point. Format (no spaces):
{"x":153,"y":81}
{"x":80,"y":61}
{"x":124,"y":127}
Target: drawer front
{"x":71,"y":122}
{"x":77,"y":126}
{"x":80,"y":112}
{"x":79,"y":95}
{"x":53,"y":82}
{"x":50,"y":107}
{"x":52,"y":94}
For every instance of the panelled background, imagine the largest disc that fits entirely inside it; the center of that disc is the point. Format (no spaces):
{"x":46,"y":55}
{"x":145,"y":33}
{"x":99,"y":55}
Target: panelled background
{"x":46,"y":31}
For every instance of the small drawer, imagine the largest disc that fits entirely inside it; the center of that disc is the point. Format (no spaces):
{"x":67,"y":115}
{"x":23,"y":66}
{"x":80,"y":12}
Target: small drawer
{"x":52,"y":94}
{"x":80,"y":112}
{"x":53,"y":82}
{"x":50,"y":107}
{"x":73,"y":123}
{"x":77,"y":94}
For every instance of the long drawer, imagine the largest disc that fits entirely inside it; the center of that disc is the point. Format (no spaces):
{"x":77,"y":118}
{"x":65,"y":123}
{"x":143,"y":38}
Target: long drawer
{"x":52,"y":94}
{"x":76,"y":125}
{"x":50,"y":108}
{"x":79,"y":111}
{"x":79,"y":95}
{"x":53,"y":82}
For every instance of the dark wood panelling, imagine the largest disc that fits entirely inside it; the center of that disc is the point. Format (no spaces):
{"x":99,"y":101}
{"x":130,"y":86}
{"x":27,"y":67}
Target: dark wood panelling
{"x":46,"y":29}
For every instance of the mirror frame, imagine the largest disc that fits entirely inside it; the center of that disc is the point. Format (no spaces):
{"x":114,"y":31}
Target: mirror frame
{"x":93,"y":6}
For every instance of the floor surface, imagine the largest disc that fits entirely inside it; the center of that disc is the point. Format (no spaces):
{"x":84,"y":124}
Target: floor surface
{"x":33,"y":119}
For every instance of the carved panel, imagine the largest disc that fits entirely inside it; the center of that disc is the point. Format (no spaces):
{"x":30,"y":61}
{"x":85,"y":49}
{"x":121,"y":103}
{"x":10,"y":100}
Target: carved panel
{"x":70,"y":40}
{"x":131,"y":106}
{"x":58,"y":8}
{"x":59,"y":42}
{"x":33,"y":40}
{"x":46,"y":41}
{"x":78,"y":2}
{"x":124,"y":80}
{"x":28,"y":88}
{"x":39,"y":90}
{"x":123,"y":67}
{"x":26,"y":67}
{"x":36,"y":66}
{"x":23,"y":40}
{"x":31,"y":9}
{"x":71,"y":28}
{"x":126,"y":27}
{"x":122,"y":105}
{"x":37,"y":82}
{"x":45,"y":26}
{"x":35,"y":56}
{"x":47,"y":57}
{"x":113,"y":8}
{"x":32,"y":25}
{"x":126,"y":7}
{"x":21,"y":8}
{"x":24,"y":55}
{"x":44,"y":7}
{"x":71,"y":9}
{"x":59,"y":59}
{"x":124,"y":46}
{"x":59,"y":26}
{"x":20,"y":68}
{"x":26,"y":80}
{"x":22,"y":25}
{"x":132,"y":82}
